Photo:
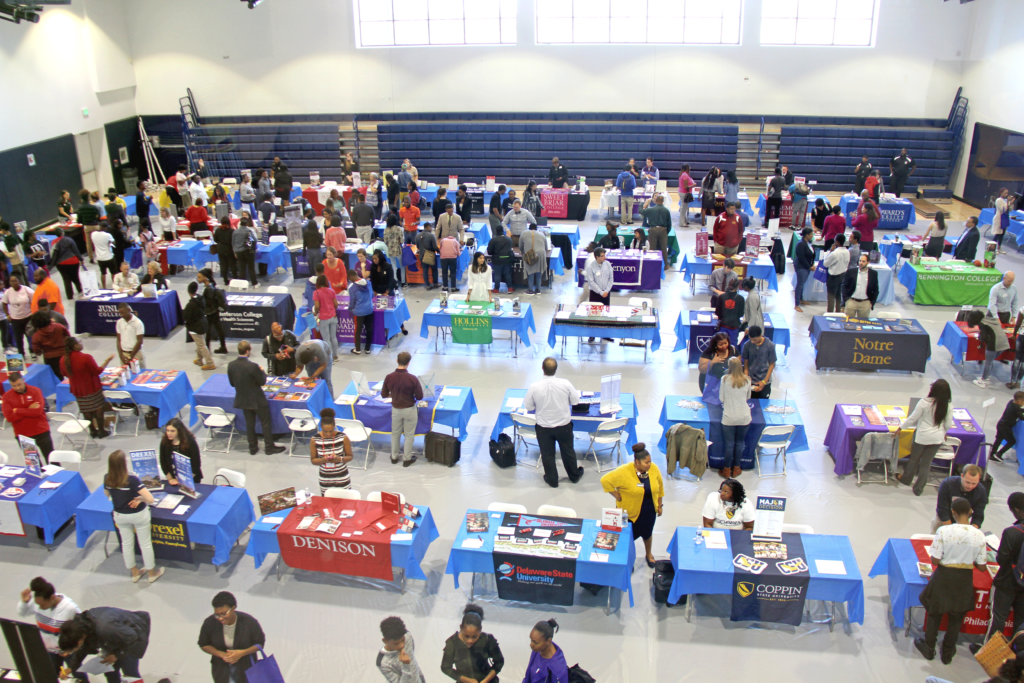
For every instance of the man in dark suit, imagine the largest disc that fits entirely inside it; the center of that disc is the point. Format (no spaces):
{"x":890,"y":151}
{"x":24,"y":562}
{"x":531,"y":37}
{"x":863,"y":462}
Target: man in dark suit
{"x":248,"y":379}
{"x":860,"y":290}
{"x":967,"y":247}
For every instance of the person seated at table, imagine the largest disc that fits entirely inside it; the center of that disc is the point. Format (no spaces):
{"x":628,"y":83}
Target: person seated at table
{"x":734,"y":394}
{"x":314,"y":356}
{"x":84,"y":381}
{"x":393,"y":237}
{"x":1002,"y":298}
{"x":153,"y":276}
{"x":611,"y":239}
{"x":865,"y":223}
{"x":178,"y":439}
{"x":479,"y":281}
{"x":728,"y":507}
{"x":197,"y":217}
{"x":362,"y":264}
{"x":331,"y":450}
{"x":378,"y":243}
{"x":720,"y":279}
{"x":639,"y":240}
{"x":730,"y":310}
{"x":728,"y":232}
{"x":126,"y":281}
{"x":48,"y":340}
{"x":638,"y":490}
{"x":834,"y":224}
{"x":167,"y":225}
{"x":471,"y":654}
{"x":382,"y":275}
{"x":279,"y":350}
{"x":266,"y":211}
{"x":1012,"y":413}
{"x":335,"y":270}
{"x":950,"y":591}
{"x":931,"y":420}
{"x":860,"y":291}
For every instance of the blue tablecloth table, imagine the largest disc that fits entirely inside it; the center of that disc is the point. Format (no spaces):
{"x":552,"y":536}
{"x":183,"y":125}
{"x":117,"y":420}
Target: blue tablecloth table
{"x":565,"y":329}
{"x":896,"y":214}
{"x":814,"y":290}
{"x":41,"y":376}
{"x":520,"y":325}
{"x":48,"y":509}
{"x":585,"y":423}
{"x":451,"y":411}
{"x":695,"y":336}
{"x":387,"y":323}
{"x":761,"y":269}
{"x":218,"y":392}
{"x":168,"y":401}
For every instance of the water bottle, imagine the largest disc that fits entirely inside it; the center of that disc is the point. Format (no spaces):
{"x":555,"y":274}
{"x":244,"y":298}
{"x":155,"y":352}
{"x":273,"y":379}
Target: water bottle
{"x":699,"y":538}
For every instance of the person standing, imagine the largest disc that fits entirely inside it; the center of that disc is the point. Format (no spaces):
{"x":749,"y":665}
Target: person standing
{"x":1002,"y":298}
{"x":759,"y":362}
{"x":13,"y":251}
{"x":130,"y":333}
{"x":405,"y":390}
{"x":478,"y":283}
{"x":773,"y":196}
{"x":865,"y":223}
{"x":230,"y":638}
{"x":900,"y":169}
{"x":753,"y":308}
{"x":950,"y":590}
{"x":861,"y":173}
{"x":626,"y":184}
{"x":967,"y":245}
{"x":314,"y":356}
{"x":659,"y":220}
{"x":837,"y":261}
{"x":449,"y":249}
{"x":17,"y":305}
{"x":533,"y":266}
{"x":88,"y":215}
{"x":427,"y":249}
{"x":246,"y":195}
{"x":121,"y":636}
{"x":799,"y":193}
{"x":223,"y":238}
{"x":727,"y":232}
{"x":500,"y":251}
{"x":197,"y":326}
{"x":397,"y":659}
{"x":860,"y":290}
{"x":313,"y":243}
{"x":325,"y":308}
{"x":517,"y":221}
{"x":599,"y":277}
{"x":803,"y":265}
{"x":282,"y":182}
{"x":853,"y":246}
{"x":833,"y":225}
{"x":686,"y":185}
{"x":362,"y":217}
{"x":51,"y":610}
{"x":931,"y":420}
{"x":410,"y":216}
{"x":279,"y":350}
{"x":67,"y":259}
{"x":451,"y":223}
{"x":393,"y":237}
{"x":178,"y":439}
{"x":1007,"y":594}
{"x":131,"y":502}
{"x":639,"y":490}
{"x":214,"y":302}
{"x":243,"y":245}
{"x":361,"y":305}
{"x":331,"y":450}
{"x":25,"y":408}
{"x":531,"y":199}
{"x":935,"y":236}
{"x":649,"y":174}
{"x":873,"y":188}
{"x":551,"y":398}
{"x":558,"y":176}
{"x":84,"y":381}
{"x":248,"y":379}
{"x":547,"y":661}
{"x":375,"y":195}
{"x":471,"y":654}
{"x":707,"y":195}
{"x":464,"y":205}
{"x":1000,"y":220}
{"x":48,"y":340}
{"x":734,"y":391}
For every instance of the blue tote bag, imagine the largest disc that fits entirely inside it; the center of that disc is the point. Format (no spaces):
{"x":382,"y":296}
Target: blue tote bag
{"x":264,"y":669}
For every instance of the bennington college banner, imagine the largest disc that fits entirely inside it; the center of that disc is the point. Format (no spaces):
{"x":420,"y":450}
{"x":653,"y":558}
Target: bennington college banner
{"x":527,"y":578}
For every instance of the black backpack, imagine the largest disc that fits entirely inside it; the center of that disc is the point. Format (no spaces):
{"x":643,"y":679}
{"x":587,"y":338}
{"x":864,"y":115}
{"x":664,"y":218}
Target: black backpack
{"x":503,"y":452}
{"x":578,"y":675}
{"x":661,"y":582}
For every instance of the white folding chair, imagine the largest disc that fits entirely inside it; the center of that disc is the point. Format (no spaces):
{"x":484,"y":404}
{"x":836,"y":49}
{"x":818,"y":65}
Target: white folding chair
{"x":797,"y":529}
{"x":226,"y":477}
{"x":277,"y":289}
{"x":69,"y":424}
{"x":555,"y":511}
{"x":343,"y":494}
{"x":299,"y":421}
{"x":3,"y":458}
{"x":216,"y":418}
{"x":608,"y":432}
{"x":203,"y":235}
{"x":778,"y":439}
{"x":357,"y":432}
{"x":374,"y":497}
{"x":120,"y":397}
{"x":69,"y":460}
{"x":238,"y":285}
{"x":945,"y":458}
{"x":507,"y":507}
{"x":524,"y":427}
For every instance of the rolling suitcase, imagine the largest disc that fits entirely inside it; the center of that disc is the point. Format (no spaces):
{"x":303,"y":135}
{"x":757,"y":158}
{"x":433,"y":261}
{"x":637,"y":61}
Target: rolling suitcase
{"x":442,"y":448}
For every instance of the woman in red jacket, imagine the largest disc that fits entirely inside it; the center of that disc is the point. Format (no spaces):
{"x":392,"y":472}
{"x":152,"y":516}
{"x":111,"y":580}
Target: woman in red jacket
{"x":866,"y":224}
{"x":84,"y":379}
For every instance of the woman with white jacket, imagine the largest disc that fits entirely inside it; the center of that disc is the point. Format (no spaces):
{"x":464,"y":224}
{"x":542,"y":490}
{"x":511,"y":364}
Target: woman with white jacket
{"x":479,"y":279}
{"x":932,"y":418}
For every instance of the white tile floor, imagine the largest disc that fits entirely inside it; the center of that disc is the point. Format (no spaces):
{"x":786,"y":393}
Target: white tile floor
{"x":320,"y":626}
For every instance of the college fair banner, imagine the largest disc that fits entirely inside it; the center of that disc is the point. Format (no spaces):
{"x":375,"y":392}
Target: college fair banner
{"x":355,"y":548}
{"x":770,"y":579}
{"x":965,"y":285}
{"x":532,"y":560}
{"x":472,"y":329}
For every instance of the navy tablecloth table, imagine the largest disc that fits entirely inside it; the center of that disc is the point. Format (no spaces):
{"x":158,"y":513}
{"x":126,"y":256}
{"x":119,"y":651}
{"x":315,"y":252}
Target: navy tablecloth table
{"x":160,"y":314}
{"x":869,"y":349}
{"x":896,"y":215}
{"x":217,"y":392}
{"x":253,"y":322}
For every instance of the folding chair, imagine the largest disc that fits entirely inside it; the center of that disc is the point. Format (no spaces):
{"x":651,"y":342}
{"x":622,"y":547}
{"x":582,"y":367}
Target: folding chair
{"x":116,"y":400}
{"x":608,"y":432}
{"x":216,"y":418}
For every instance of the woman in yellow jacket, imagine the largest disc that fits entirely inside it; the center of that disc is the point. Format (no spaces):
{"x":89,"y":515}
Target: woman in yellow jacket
{"x":638,"y":489}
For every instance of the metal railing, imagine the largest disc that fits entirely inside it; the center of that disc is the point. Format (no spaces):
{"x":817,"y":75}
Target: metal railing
{"x":760,"y":142}
{"x":956,"y":124}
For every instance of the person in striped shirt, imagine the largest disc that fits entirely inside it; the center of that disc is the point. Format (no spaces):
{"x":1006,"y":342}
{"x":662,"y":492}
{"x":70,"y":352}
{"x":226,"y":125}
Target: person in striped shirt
{"x":51,"y":610}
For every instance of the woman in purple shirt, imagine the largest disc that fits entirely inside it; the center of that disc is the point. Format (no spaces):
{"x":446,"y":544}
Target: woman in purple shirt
{"x":547,"y":663}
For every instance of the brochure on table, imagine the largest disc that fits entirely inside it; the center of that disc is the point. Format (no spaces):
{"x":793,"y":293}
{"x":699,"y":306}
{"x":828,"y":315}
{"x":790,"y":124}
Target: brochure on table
{"x":146,"y":468}
{"x":186,"y":480}
{"x":769,"y":512}
{"x":610,"y":385}
{"x":33,"y":461}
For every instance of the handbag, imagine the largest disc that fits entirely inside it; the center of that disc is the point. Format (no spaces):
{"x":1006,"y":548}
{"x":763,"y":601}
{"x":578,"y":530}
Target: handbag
{"x":995,"y":652}
{"x":688,"y":198}
{"x":213,"y":248}
{"x":263,"y":670}
{"x":429,"y":258}
{"x":821,"y":272}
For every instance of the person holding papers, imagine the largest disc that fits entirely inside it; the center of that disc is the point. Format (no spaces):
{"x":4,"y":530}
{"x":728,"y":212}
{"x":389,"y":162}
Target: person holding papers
{"x":178,"y":439}
{"x":131,"y":517}
{"x":728,"y":508}
{"x":638,"y":489}
{"x":126,"y":281}
{"x":931,"y":419}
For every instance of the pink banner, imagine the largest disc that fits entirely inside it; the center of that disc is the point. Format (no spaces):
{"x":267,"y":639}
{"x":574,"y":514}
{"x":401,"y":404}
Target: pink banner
{"x":702,"y":244}
{"x":556,"y":202}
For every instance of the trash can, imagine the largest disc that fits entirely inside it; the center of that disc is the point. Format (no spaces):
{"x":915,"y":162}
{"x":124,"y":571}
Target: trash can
{"x":130,"y":175}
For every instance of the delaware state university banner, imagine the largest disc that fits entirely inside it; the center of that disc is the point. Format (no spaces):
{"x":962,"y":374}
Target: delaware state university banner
{"x":770,"y":579}
{"x":471,"y":329}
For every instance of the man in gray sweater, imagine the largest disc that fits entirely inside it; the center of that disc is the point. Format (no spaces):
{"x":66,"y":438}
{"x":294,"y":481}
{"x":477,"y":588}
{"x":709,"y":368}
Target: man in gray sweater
{"x":243,"y":244}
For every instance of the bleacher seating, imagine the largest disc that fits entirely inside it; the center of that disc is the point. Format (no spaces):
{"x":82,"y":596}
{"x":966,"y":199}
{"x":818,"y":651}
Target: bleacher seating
{"x":829,"y":155}
{"x":515,"y":152}
{"x":304,"y":147}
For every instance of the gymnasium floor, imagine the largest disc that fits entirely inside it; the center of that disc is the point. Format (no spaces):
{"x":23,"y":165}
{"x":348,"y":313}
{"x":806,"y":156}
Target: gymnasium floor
{"x":324,"y":627}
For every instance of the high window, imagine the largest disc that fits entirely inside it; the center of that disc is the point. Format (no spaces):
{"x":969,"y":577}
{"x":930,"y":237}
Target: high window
{"x":839,"y":23}
{"x":715,"y":22}
{"x":387,"y":23}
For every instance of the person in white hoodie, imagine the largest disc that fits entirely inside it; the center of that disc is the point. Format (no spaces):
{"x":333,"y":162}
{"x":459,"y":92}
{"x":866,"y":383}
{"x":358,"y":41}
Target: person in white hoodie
{"x":51,"y":610}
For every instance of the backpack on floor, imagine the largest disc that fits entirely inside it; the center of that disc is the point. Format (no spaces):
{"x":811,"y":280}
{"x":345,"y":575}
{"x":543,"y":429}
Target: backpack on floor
{"x":503,"y":453}
{"x":442,"y":448}
{"x":661,"y":582}
{"x":578,"y":675}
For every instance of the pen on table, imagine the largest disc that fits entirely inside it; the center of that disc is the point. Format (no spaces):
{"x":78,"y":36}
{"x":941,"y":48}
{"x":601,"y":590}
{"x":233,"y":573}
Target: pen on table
{"x":274,"y":528}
